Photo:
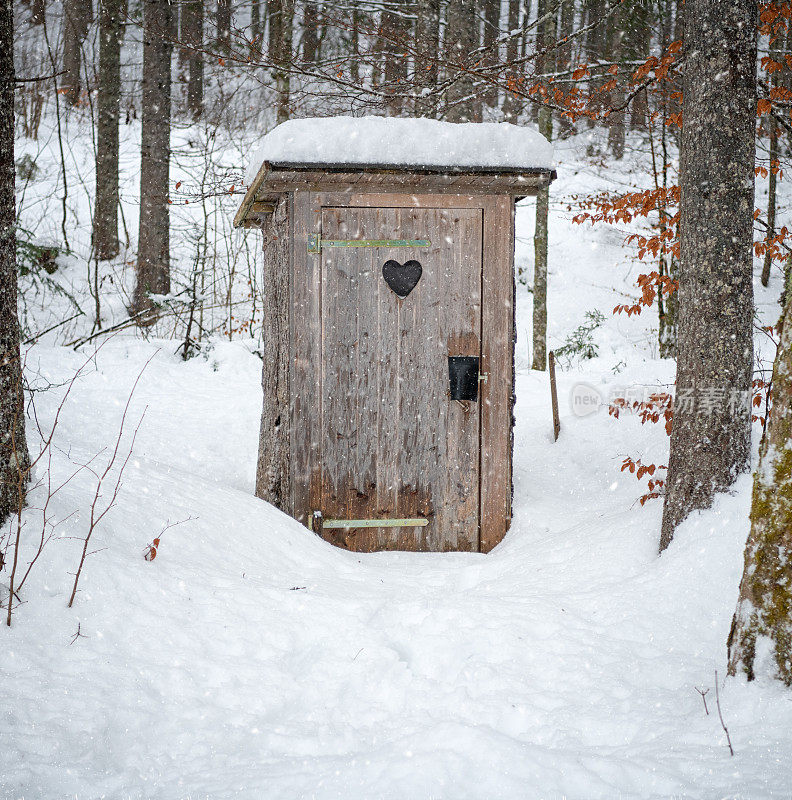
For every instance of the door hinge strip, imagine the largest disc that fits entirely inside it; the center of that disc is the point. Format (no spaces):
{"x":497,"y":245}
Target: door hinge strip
{"x":315,"y":244}
{"x":317,"y":522}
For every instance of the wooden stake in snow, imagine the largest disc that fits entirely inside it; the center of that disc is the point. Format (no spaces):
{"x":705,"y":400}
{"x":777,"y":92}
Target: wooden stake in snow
{"x":720,"y":714}
{"x":554,"y":397}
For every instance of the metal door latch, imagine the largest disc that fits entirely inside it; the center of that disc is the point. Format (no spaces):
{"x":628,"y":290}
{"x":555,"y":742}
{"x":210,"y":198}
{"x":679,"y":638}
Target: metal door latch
{"x":316,"y":244}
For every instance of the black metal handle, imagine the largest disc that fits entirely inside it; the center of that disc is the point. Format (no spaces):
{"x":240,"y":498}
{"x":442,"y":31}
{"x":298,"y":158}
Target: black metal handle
{"x":463,"y":376}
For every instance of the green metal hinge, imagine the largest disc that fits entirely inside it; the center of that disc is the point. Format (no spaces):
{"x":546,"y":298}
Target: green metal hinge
{"x":316,"y":522}
{"x":315,"y":244}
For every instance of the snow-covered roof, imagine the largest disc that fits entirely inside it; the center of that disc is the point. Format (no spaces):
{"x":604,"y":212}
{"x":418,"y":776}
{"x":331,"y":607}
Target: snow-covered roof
{"x":397,"y":142}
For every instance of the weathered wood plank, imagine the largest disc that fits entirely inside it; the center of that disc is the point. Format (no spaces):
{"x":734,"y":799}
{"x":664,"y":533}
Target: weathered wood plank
{"x":458,"y":309}
{"x":498,"y":362}
{"x":400,"y":200}
{"x":306,"y":361}
{"x":483,"y":184}
{"x":273,"y":471}
{"x":262,"y":207}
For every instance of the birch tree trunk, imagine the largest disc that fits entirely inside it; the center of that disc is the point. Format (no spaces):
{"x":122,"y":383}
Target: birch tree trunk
{"x":153,"y":264}
{"x":760,"y":640}
{"x":711,"y":437}
{"x":14,"y":459}
{"x":108,"y":107}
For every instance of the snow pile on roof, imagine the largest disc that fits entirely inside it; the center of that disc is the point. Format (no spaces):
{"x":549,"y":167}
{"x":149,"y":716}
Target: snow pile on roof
{"x":402,"y":142}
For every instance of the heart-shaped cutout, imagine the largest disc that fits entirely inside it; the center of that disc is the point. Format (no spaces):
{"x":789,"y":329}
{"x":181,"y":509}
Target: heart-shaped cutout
{"x":402,"y":278}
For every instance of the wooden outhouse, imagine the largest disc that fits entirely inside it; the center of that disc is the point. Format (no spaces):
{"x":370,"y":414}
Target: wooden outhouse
{"x":389,"y":326}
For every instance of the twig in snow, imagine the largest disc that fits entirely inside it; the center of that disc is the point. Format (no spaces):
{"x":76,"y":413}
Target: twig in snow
{"x":77,"y":636}
{"x":703,"y":693}
{"x":13,"y":538}
{"x":150,"y":551}
{"x":717,"y":701}
{"x":97,"y":516}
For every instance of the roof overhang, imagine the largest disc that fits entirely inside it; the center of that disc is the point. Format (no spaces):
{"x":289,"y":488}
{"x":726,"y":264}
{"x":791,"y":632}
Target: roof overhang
{"x":273,"y":180}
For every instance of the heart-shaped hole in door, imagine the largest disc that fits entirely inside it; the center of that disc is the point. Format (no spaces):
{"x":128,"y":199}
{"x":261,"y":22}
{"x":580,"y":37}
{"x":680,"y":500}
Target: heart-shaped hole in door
{"x":402,"y":278}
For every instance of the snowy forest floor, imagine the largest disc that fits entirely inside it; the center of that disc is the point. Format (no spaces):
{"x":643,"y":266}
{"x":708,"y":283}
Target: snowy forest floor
{"x":250,"y":659}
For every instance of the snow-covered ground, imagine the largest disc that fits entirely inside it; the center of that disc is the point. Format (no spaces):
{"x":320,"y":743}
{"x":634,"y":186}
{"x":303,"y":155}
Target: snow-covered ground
{"x":252,"y":660}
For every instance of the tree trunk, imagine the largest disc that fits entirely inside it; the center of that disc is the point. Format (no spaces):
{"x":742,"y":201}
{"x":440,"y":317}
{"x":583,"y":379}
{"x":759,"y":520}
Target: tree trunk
{"x":224,"y":24}
{"x":153,"y":265}
{"x":492,"y":11}
{"x":637,"y":47}
{"x":564,"y":58}
{"x":37,"y":12}
{"x":77,"y":16}
{"x":594,"y":47}
{"x":192,"y":16}
{"x":354,"y":44}
{"x":540,"y":258}
{"x":616,"y":119}
{"x":667,"y":304}
{"x":462,"y":38}
{"x":310,"y":34}
{"x":760,"y":640}
{"x":394,"y":64}
{"x":427,"y":39}
{"x":511,"y":103}
{"x":711,"y":437}
{"x":281,"y":14}
{"x":544,"y":63}
{"x":14,"y":460}
{"x":108,"y":107}
{"x":256,"y":25}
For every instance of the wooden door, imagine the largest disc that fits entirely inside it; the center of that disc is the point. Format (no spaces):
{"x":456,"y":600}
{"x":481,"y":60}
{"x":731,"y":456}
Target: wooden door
{"x":393,"y":443}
